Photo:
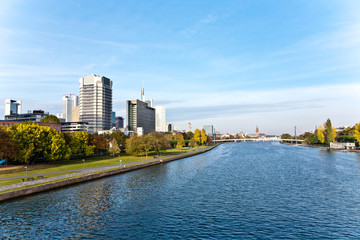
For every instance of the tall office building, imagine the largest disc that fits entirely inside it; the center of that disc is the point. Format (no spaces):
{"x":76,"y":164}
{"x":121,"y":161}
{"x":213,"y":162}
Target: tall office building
{"x":95,"y":102}
{"x":140,"y":116}
{"x":12,"y":107}
{"x":67,"y":108}
{"x":160,"y":119}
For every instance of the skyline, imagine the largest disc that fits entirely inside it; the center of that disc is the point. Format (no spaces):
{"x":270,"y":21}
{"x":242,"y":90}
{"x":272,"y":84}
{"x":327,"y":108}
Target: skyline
{"x":234,"y":65}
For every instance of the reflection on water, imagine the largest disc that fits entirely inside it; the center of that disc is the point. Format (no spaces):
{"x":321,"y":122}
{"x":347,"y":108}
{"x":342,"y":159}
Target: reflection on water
{"x":238,"y":190}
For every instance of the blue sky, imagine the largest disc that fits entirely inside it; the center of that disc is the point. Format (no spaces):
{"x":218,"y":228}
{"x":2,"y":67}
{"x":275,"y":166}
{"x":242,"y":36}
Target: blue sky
{"x":233,"y":64}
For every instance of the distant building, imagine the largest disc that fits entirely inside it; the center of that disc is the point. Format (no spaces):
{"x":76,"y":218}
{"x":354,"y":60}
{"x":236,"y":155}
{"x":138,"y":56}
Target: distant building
{"x":74,"y":127}
{"x":209,"y":130}
{"x":342,"y":145}
{"x":113,"y":117}
{"x":139,"y":114}
{"x":160,"y":119}
{"x":75,"y":114}
{"x":54,"y":126}
{"x":67,"y":108}
{"x":169,"y":127}
{"x":95,"y":102}
{"x":12,"y":107}
{"x":257,"y":132}
{"x":119,"y":122}
{"x":31,"y":116}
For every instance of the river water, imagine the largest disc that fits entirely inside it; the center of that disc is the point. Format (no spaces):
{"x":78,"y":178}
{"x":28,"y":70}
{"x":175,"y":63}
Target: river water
{"x":236,"y":191}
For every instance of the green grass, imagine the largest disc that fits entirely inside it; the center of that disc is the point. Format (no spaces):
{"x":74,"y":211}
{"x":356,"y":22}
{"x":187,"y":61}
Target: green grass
{"x":76,"y":164}
{"x":98,"y":161}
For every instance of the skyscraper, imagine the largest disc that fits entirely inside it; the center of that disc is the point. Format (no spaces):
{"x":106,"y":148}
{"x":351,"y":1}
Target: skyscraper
{"x":160,"y":119}
{"x":67,"y":108}
{"x":140,"y":115}
{"x":12,"y":107}
{"x":95,"y":102}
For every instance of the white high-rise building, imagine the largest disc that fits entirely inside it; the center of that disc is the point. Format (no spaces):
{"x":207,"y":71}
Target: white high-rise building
{"x":67,"y":108}
{"x":12,"y":107}
{"x":95,"y":102}
{"x":160,"y":119}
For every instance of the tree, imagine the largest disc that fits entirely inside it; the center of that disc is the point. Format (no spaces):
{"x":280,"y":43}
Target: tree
{"x":145,"y":143}
{"x":179,"y":140}
{"x":286,"y":136}
{"x":50,"y":119}
{"x":203,"y":136}
{"x":100,"y":143}
{"x":193,"y":143}
{"x":197,"y":136}
{"x":39,"y":143}
{"x":114,"y":147}
{"x":357,"y":132}
{"x":209,"y":141}
{"x":120,"y":139}
{"x":8,"y":148}
{"x":310,"y":138}
{"x":189,"y":135}
{"x":330,"y":132}
{"x":159,"y":142}
{"x":133,"y":145}
{"x":320,"y":134}
{"x":80,"y":144}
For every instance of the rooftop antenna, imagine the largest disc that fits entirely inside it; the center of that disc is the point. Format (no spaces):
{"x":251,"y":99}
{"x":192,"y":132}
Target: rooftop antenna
{"x":142,"y":93}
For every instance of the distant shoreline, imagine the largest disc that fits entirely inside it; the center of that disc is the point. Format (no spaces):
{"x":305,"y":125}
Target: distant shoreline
{"x":328,"y":148}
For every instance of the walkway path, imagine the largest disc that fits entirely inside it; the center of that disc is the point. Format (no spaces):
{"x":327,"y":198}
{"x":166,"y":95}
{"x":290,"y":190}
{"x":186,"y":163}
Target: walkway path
{"x":77,"y":173}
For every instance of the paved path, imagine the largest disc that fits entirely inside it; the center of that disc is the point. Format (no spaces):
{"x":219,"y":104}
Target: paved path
{"x":77,"y":173}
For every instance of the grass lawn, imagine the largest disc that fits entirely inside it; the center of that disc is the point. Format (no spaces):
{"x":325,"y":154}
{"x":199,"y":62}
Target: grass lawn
{"x":76,"y":164}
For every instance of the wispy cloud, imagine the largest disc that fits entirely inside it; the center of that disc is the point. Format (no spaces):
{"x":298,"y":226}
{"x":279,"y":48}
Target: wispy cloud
{"x":200,"y":25}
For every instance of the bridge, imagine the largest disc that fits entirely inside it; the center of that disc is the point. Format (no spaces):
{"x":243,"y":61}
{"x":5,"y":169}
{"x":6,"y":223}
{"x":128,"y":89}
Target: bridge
{"x":272,"y":139}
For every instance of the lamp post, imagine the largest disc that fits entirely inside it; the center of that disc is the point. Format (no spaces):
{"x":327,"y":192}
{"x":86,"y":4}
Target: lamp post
{"x":83,"y":164}
{"x":26,"y":175}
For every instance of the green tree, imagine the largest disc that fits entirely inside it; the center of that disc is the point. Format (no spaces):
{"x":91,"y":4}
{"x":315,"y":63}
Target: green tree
{"x":146,"y":143}
{"x":39,"y":143}
{"x":197,"y":136}
{"x":203,"y":137}
{"x":310,"y":138}
{"x":320,"y":134}
{"x":179,"y":140}
{"x":120,"y":139}
{"x":80,"y":144}
{"x":357,"y":132}
{"x":8,"y":149}
{"x":189,"y":135}
{"x":330,"y":132}
{"x":159,"y":142}
{"x":286,"y":136}
{"x":133,"y":145}
{"x":50,"y":119}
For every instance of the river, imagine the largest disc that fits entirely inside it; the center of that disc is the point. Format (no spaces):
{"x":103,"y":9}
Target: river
{"x":235,"y":191}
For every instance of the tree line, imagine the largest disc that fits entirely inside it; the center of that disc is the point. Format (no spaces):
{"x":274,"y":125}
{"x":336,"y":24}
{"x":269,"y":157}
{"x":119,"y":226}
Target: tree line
{"x":31,"y":143}
{"x":326,"y":133}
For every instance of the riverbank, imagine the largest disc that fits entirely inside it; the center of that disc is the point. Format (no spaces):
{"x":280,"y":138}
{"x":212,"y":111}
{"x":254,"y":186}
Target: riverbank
{"x":41,"y":187}
{"x":323,"y":147}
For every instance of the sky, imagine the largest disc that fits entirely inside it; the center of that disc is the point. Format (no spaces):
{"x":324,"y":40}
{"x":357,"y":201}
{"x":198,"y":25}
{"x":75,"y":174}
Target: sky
{"x":236,"y":65}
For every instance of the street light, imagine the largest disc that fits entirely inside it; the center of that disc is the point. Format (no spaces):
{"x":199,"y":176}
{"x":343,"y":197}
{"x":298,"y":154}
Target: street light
{"x":26,"y":175}
{"x":83,"y":164}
